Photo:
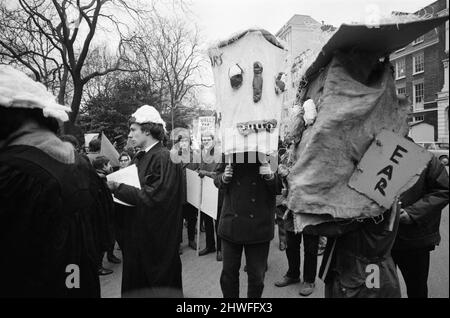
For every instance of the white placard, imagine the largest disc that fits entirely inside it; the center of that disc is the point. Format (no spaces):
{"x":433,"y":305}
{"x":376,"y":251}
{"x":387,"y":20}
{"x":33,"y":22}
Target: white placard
{"x":207,"y":200}
{"x":88,"y":138}
{"x":193,"y":188}
{"x":210,"y":197}
{"x":129,"y":176}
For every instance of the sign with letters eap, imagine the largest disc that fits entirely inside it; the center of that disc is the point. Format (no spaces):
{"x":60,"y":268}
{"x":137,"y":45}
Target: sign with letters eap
{"x":390,"y":165}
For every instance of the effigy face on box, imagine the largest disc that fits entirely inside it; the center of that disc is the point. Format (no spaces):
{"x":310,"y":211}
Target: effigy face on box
{"x":249,"y":76}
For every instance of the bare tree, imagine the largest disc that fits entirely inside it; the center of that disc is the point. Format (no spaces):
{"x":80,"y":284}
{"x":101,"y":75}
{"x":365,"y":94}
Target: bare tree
{"x":23,"y":45}
{"x":170,"y":58}
{"x":58,"y":25}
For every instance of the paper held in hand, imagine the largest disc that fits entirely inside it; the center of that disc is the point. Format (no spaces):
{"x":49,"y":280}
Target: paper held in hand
{"x":129,"y":176}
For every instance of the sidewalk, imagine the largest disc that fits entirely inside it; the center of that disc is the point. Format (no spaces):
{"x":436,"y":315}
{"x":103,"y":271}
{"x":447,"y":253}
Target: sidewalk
{"x":201,"y":274}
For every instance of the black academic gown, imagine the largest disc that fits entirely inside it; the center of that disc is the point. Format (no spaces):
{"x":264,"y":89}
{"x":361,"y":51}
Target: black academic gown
{"x":50,"y":225}
{"x":151,"y":263}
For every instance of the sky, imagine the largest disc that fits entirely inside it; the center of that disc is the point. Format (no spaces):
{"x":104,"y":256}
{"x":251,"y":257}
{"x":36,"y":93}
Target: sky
{"x":218,"y":19}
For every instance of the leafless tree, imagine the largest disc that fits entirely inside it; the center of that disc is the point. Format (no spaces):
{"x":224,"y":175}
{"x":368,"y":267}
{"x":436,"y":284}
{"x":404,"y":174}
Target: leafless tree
{"x":54,"y":37}
{"x":170,"y":58}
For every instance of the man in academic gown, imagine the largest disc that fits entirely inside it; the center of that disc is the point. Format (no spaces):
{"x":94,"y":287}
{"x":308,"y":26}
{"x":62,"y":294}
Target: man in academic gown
{"x":151,"y":263}
{"x":52,"y":202}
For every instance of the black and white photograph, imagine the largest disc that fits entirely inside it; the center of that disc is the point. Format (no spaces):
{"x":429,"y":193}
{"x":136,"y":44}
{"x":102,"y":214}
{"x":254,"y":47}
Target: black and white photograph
{"x":216,"y":151}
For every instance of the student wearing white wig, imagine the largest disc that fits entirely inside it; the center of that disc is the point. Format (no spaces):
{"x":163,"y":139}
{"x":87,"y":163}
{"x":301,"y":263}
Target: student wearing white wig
{"x":52,"y":200}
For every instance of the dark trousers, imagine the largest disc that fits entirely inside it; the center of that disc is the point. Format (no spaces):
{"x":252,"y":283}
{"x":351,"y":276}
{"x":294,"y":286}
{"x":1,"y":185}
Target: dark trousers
{"x":256,"y":260}
{"x":280,"y":222}
{"x":190,"y":215}
{"x":414,"y":265}
{"x":311,"y":245}
{"x":209,"y":231}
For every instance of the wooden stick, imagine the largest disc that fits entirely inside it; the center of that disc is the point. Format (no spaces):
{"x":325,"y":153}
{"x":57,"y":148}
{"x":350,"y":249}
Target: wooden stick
{"x":198,"y":217}
{"x":394,"y":212}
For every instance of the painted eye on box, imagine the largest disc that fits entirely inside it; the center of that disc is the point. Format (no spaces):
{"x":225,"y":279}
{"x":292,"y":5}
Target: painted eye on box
{"x":280,"y":83}
{"x":235,"y":74}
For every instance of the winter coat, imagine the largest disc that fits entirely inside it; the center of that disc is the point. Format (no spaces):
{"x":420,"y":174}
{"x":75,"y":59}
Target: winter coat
{"x":424,"y":203}
{"x":248,"y":209}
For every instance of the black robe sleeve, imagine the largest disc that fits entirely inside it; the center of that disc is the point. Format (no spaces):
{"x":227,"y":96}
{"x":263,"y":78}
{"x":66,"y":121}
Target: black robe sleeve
{"x":158,"y":187}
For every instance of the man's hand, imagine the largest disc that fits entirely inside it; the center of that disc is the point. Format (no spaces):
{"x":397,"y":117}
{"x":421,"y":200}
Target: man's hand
{"x":112,"y":185}
{"x":228,"y":174}
{"x":405,"y":218}
{"x":266,"y":172}
{"x":202,"y":173}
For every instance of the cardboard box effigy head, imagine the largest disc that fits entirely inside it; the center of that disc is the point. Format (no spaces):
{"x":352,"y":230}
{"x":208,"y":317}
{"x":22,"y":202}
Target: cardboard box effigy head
{"x":249,"y":76}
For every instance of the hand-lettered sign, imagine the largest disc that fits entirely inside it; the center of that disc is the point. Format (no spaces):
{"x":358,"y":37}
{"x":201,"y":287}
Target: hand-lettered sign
{"x":388,"y":167}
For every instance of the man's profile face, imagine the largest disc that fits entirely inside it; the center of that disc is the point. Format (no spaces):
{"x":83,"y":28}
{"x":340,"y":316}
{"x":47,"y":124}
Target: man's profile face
{"x":137,"y":137}
{"x":108,"y":168}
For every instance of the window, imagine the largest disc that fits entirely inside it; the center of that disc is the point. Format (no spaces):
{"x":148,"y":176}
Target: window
{"x":418,"y":40}
{"x":418,"y":63}
{"x":418,"y":94}
{"x":418,"y":118}
{"x":401,"y":91}
{"x":400,"y":69}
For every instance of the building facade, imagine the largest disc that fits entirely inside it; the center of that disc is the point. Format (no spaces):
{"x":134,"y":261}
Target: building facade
{"x":298,"y":36}
{"x":421,"y":73}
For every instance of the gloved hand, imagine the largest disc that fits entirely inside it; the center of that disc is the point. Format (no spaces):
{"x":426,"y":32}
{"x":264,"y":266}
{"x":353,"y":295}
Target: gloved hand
{"x":266,"y":171}
{"x":202,"y":173}
{"x":228,"y":174}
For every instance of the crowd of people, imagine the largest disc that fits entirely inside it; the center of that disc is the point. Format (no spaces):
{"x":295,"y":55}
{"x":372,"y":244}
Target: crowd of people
{"x":58,"y":210}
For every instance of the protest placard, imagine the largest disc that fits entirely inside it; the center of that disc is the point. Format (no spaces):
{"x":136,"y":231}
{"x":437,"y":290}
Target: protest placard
{"x":389,"y":167}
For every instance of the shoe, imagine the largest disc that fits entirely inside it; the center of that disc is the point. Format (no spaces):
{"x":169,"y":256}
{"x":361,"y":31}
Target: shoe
{"x":287,"y":281}
{"x":104,"y":271}
{"x":307,"y":289}
{"x":206,"y":251}
{"x":192,"y":245}
{"x":219,"y":256}
{"x":113,"y":259}
{"x":282,"y":246}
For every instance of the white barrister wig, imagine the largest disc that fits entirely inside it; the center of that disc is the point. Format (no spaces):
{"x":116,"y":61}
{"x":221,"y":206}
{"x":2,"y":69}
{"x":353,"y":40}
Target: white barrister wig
{"x":20,"y":91}
{"x":148,"y":114}
{"x":310,"y":112}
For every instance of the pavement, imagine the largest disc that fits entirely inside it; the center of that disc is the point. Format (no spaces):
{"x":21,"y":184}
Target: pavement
{"x":201,"y":274}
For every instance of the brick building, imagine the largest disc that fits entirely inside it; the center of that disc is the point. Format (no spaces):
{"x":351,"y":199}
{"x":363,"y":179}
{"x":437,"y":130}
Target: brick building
{"x":421,"y":72}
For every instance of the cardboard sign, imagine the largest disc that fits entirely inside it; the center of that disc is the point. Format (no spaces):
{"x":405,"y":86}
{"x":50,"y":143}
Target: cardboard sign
{"x":206,"y":125}
{"x":210,"y":197}
{"x":108,"y":150}
{"x":193,"y":188}
{"x":202,"y":193}
{"x":388,"y":168}
{"x":88,"y":138}
{"x":249,"y":117}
